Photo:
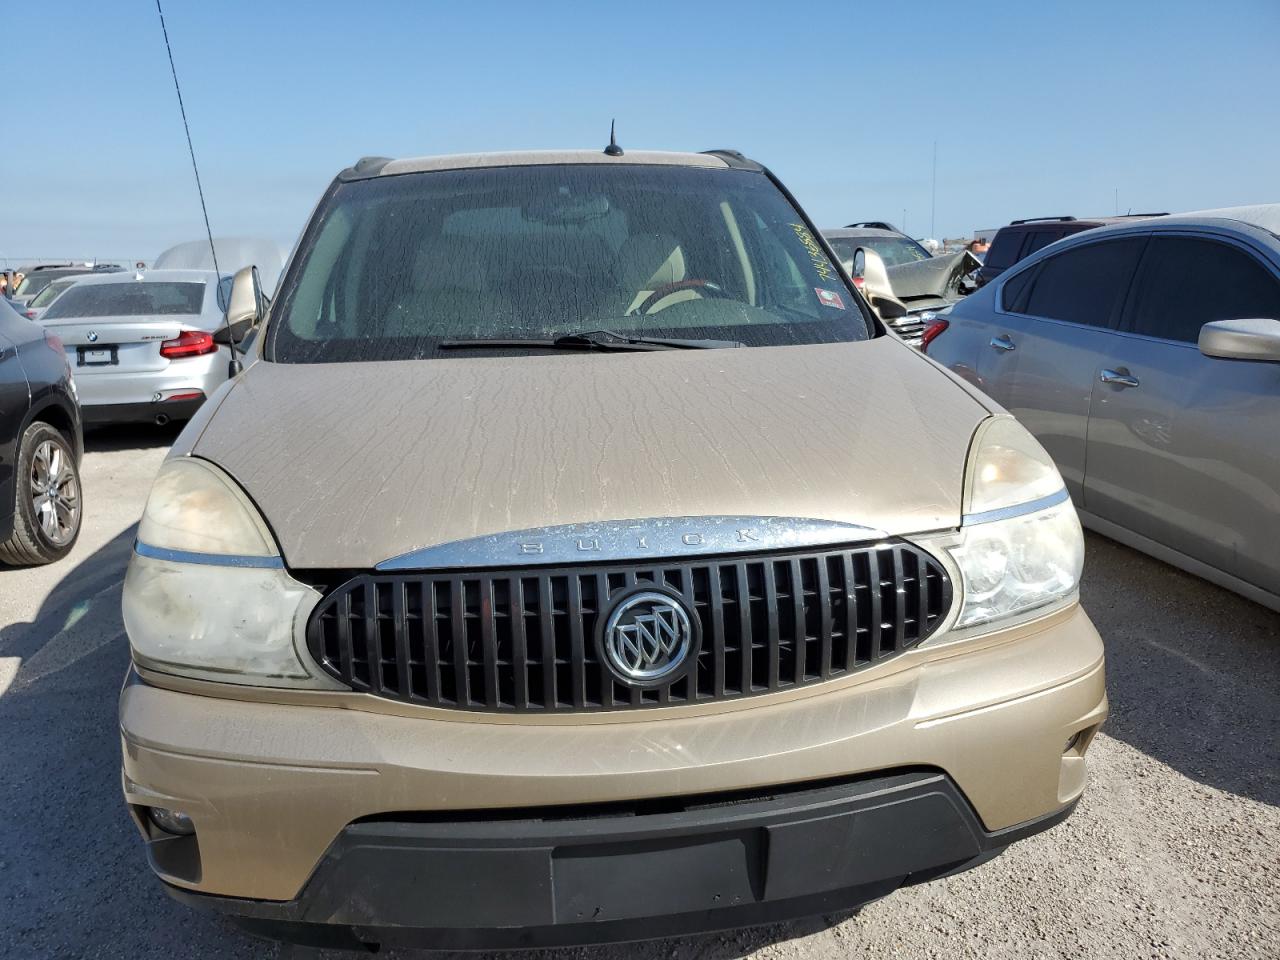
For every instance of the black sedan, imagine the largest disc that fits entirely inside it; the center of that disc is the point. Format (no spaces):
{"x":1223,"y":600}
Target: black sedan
{"x":40,"y":444}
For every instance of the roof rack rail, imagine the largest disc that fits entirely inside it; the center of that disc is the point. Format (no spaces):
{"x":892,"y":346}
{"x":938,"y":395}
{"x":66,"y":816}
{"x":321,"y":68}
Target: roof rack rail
{"x":1039,"y":219}
{"x":734,"y":158}
{"x":873,"y":225}
{"x":1162,"y":213}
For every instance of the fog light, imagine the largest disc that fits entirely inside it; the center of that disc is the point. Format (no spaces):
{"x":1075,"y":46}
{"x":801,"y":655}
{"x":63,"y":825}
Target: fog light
{"x":172,"y":821}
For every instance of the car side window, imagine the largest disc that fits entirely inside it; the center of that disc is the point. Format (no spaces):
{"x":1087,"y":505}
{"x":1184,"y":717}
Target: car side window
{"x":224,"y":293}
{"x":1040,"y":239}
{"x":1184,"y":283}
{"x":1086,"y":284}
{"x":1004,"y":249}
{"x":1013,"y":295}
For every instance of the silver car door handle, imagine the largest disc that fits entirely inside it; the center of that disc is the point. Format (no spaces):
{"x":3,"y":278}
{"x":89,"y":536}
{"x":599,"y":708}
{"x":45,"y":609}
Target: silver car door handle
{"x":1120,"y":379}
{"x":1003,"y":343}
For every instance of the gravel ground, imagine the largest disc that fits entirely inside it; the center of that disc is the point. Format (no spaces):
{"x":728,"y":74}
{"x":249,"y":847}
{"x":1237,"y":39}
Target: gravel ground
{"x":1174,"y":852}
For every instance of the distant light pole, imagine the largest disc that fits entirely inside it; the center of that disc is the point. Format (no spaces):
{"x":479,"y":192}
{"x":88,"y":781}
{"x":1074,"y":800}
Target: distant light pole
{"x":933,"y":204}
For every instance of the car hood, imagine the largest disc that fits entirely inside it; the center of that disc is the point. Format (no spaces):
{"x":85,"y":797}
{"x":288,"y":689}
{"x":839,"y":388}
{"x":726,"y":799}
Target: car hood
{"x":936,"y":277}
{"x":356,"y":463}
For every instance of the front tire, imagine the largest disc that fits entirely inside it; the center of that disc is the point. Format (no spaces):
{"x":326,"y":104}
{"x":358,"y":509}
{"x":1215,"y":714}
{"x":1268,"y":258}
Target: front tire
{"x":48,"y":507}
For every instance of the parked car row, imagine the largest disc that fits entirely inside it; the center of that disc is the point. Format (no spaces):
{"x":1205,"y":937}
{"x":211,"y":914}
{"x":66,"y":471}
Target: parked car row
{"x":672,"y":460}
{"x":38,"y":277}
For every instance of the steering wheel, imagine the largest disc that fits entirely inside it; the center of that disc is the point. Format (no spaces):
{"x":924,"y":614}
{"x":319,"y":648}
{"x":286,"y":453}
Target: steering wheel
{"x":704,"y":287}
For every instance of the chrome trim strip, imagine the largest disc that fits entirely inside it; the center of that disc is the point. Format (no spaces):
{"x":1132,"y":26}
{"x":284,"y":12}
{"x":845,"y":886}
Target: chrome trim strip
{"x":613,"y":540}
{"x":209,"y":559}
{"x":1017,"y":510}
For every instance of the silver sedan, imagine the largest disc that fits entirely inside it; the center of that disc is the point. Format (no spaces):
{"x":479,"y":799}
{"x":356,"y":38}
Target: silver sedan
{"x":1146,"y":360}
{"x":141,"y":344}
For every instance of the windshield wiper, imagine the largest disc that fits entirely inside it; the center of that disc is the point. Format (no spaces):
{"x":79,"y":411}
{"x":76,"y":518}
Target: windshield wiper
{"x":593,"y":340}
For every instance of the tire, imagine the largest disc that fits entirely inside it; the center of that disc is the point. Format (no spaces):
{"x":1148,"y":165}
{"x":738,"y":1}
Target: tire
{"x":49,"y":504}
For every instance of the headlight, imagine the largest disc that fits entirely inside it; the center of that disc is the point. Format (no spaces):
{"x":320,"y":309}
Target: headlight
{"x":1020,"y":549}
{"x":207,"y":594}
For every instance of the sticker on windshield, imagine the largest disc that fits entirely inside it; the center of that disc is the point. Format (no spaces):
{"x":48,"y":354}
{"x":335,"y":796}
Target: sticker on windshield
{"x":829,"y":298}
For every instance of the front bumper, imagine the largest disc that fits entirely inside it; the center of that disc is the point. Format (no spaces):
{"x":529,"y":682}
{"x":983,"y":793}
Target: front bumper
{"x":274,"y":788}
{"x":602,"y":876}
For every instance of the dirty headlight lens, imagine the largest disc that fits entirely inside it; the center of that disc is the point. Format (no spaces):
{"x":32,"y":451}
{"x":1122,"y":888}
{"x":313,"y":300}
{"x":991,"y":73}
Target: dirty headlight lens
{"x":1018,"y":565}
{"x":206,"y":594}
{"x":1021,"y":549}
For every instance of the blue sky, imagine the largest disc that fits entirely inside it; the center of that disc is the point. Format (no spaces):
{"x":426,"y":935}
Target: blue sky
{"x":1037,"y":108}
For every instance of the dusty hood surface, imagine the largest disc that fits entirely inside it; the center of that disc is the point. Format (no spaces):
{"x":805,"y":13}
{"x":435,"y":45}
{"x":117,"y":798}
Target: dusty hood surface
{"x":355,"y":463}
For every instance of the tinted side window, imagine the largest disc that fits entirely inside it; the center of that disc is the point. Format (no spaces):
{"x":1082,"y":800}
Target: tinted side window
{"x":1040,"y":239}
{"x":1085,"y":285}
{"x":1184,"y":283}
{"x":1004,"y":248}
{"x":1014,"y":295}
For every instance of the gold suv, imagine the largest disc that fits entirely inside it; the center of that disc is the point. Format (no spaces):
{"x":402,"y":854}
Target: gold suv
{"x":577,"y":558}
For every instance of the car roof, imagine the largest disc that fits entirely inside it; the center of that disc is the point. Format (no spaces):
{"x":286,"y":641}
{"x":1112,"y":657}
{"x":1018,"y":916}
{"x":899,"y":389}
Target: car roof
{"x":1140,"y":227}
{"x":843,"y":232}
{"x":384,"y":167}
{"x":1074,"y":223}
{"x":149,"y":276}
{"x":1263,"y":215}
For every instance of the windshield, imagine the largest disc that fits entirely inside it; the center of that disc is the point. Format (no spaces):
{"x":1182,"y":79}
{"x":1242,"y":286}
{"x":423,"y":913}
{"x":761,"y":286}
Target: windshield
{"x":894,"y":251}
{"x":33,"y":283}
{"x":47,"y":295}
{"x":393,"y":266}
{"x":128,"y":298}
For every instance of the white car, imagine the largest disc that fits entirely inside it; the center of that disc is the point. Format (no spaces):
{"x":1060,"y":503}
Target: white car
{"x":43,"y":300}
{"x":141,"y":344}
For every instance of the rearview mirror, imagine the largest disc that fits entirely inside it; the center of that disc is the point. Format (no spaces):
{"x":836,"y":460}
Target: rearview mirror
{"x":1241,"y":339}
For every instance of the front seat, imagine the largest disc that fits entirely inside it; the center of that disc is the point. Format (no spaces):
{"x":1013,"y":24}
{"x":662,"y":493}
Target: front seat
{"x":451,"y":296}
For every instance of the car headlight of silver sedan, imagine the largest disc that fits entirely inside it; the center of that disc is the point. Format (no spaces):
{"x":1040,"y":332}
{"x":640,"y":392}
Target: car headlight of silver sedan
{"x":206,"y":594}
{"x":1020,"y":549}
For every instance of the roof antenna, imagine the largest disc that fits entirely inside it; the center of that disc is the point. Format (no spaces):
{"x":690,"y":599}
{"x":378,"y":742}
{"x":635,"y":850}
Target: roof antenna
{"x":234,"y":367}
{"x":612,"y":150}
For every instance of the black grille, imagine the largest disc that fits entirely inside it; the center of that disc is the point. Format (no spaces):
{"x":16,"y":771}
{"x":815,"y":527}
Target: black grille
{"x":525,"y":639}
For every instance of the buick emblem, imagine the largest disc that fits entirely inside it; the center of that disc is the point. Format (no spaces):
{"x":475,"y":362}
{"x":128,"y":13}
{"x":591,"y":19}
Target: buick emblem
{"x":648,"y":637}
{"x":91,"y":336}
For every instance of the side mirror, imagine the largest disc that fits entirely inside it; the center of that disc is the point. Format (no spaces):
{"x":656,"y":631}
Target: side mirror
{"x":876,"y":286}
{"x":236,"y":332}
{"x":1241,"y":340}
{"x":247,"y":304}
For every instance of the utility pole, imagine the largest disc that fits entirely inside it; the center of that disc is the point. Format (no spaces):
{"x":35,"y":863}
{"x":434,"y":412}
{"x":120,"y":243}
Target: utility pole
{"x":1117,"y":201}
{"x":933,"y":204}
{"x":904,"y":219}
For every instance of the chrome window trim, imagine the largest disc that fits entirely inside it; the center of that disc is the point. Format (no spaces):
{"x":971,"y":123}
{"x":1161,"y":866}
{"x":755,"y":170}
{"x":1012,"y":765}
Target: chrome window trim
{"x":209,"y":559}
{"x":1017,"y":510}
{"x":642,"y":539}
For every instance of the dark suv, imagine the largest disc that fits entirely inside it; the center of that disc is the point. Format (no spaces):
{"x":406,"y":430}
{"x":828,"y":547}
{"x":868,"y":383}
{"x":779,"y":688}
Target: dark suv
{"x":1021,"y":238}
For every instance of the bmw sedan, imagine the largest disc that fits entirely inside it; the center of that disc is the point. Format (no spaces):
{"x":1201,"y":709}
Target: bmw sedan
{"x":1146,"y":359}
{"x":143,"y":343}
